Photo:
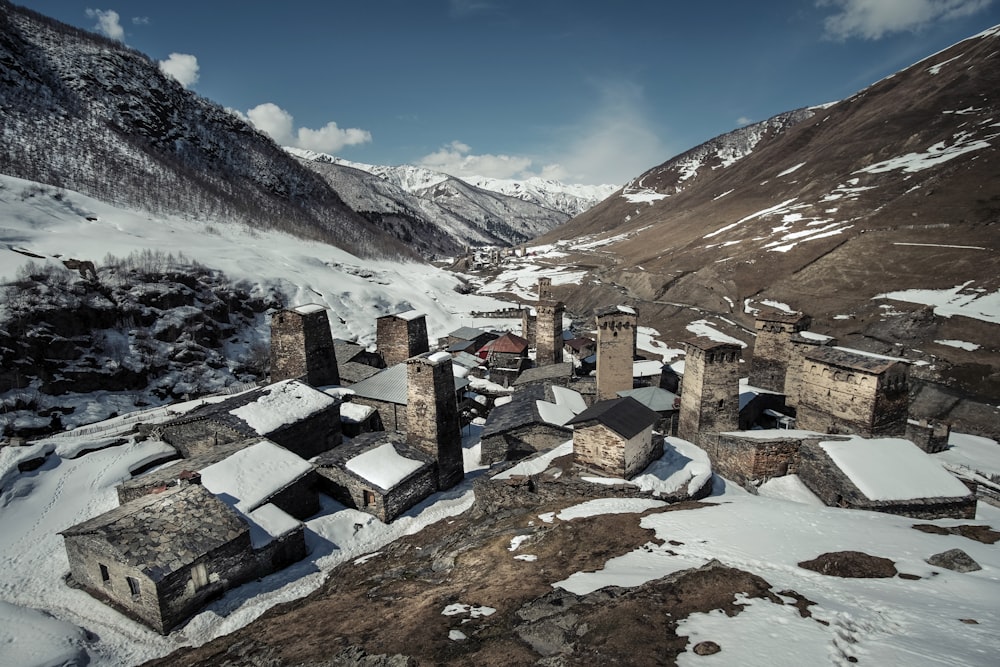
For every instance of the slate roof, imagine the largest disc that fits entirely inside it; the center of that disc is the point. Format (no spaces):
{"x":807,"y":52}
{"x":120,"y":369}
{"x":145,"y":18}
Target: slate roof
{"x":467,"y":333}
{"x":389,"y":385}
{"x":625,"y":416}
{"x":854,"y":359}
{"x":521,"y":411}
{"x":653,"y":398}
{"x":346,"y":350}
{"x":542,"y":373}
{"x":171,"y":471}
{"x":707,"y":344}
{"x":613,"y":310}
{"x":165,"y":532}
{"x":783,"y":316}
{"x":312,"y":401}
{"x":352,"y":372}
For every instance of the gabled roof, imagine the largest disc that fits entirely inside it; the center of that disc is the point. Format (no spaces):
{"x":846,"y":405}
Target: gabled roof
{"x":625,"y":416}
{"x":520,"y":412}
{"x":251,"y":475}
{"x":653,"y":398}
{"x":165,"y":532}
{"x":389,"y":385}
{"x":468,"y":333}
{"x":506,"y":344}
{"x":542,"y":373}
{"x":383,"y":459}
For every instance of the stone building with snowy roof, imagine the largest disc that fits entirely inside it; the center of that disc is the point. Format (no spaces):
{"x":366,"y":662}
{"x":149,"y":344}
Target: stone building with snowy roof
{"x":160,"y":558}
{"x":850,"y":391}
{"x":378,"y":473}
{"x":615,"y":437}
{"x":889,"y":475}
{"x":355,"y":363}
{"x":304,"y":420}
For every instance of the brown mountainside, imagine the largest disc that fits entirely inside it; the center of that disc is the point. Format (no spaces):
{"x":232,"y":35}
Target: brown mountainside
{"x":823,"y":209}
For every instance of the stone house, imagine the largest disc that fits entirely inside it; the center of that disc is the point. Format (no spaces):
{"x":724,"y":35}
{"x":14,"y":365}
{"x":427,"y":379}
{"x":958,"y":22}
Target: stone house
{"x":580,"y":347}
{"x":647,"y":373}
{"x":302,"y":346}
{"x":518,"y":428}
{"x":615,"y":438}
{"x":290,"y":413}
{"x":378,"y":473}
{"x":849,"y":391}
{"x":176,"y":473}
{"x":475,"y":337}
{"x":889,"y":475}
{"x":750,"y":458}
{"x":553,"y":374}
{"x":932,"y":437}
{"x":160,"y":558}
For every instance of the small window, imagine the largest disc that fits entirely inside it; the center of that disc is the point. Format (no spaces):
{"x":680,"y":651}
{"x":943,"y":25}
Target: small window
{"x":369,"y":498}
{"x":199,"y":576}
{"x":105,"y":575}
{"x":133,"y":586}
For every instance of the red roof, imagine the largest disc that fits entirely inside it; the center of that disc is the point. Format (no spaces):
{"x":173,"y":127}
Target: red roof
{"x":506,"y":344}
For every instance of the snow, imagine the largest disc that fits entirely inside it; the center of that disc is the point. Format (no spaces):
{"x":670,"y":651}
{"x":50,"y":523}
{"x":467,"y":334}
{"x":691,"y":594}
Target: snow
{"x":305,"y":309}
{"x":790,"y":488}
{"x":683,"y":466}
{"x":268,"y":523}
{"x":253,"y":474}
{"x":536,"y":464}
{"x":32,"y":638}
{"x":608,"y":506}
{"x":569,"y":398}
{"x":971,"y":452}
{"x":281,"y":404}
{"x":962,"y":299}
{"x":893,"y":469}
{"x":791,"y":169}
{"x":642,"y":196}
{"x":810,"y":335}
{"x":938,"y":153}
{"x":554,"y":413}
{"x":355,"y":412}
{"x":961,"y":344}
{"x":383,"y":466}
{"x":410,"y":315}
{"x":438,"y":357}
{"x":705,"y":329}
{"x":473,"y":611}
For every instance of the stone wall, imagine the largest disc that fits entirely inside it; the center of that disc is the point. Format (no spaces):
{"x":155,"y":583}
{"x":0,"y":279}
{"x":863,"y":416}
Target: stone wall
{"x":932,"y":437}
{"x":313,"y":435}
{"x":749,"y":461}
{"x":772,"y":350}
{"x":302,"y":347}
{"x":432,"y":418}
{"x":391,"y":416}
{"x":350,"y":490}
{"x":299,"y":499}
{"x":599,"y":448}
{"x":616,"y":336}
{"x":401,"y":337}
{"x":549,"y":330}
{"x":710,"y":398}
{"x":839,"y":399}
{"x":521,"y":442}
{"x":529,"y":327}
{"x":198,"y":436}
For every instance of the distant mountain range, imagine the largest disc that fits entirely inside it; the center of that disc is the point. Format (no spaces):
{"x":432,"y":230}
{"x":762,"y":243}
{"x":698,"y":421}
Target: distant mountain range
{"x":441,"y":214}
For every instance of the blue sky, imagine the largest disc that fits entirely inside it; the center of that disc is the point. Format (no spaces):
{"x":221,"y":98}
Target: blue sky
{"x":582,"y":91}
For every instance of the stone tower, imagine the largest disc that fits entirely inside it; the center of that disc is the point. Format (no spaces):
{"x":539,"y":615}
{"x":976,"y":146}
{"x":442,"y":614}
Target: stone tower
{"x":548,"y":333}
{"x":529,"y":325}
{"x":432,"y":423}
{"x":302,"y":346}
{"x":545,"y":289}
{"x":401,"y":336}
{"x":616,"y":337}
{"x":772,"y":351}
{"x":710,"y":396}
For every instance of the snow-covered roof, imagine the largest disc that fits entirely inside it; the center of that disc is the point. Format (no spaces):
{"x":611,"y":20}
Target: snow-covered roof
{"x":253,"y":474}
{"x":383,"y":466}
{"x":569,"y":398}
{"x":646,"y":368}
{"x":857,"y":360}
{"x":282,"y":403}
{"x":355,"y":412}
{"x":554,"y":413}
{"x":268,"y":523}
{"x":893,"y":469}
{"x":438,"y":357}
{"x":308,"y":308}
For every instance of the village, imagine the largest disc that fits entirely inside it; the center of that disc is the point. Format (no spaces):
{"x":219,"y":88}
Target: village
{"x":379,"y":430}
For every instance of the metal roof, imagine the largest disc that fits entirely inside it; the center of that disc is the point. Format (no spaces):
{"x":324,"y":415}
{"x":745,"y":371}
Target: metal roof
{"x":389,"y":385}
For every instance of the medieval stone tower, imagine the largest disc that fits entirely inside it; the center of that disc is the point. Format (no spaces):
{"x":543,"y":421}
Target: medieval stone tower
{"x":529,"y":326}
{"x":772,"y":352}
{"x":432,"y":423}
{"x":545,"y":289}
{"x":401,"y":336}
{"x":548,"y":333}
{"x":616,"y":337}
{"x":302,"y":346}
{"x":710,"y":396}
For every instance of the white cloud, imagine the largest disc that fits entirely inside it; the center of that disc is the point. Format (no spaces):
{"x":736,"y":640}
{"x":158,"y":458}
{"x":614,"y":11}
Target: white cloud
{"x":456,"y":160}
{"x":181,"y":66}
{"x":743,"y":120}
{"x":108,"y":23}
{"x":140,"y":20}
{"x":612,"y":144}
{"x":278,"y":124}
{"x":872,"y":19}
